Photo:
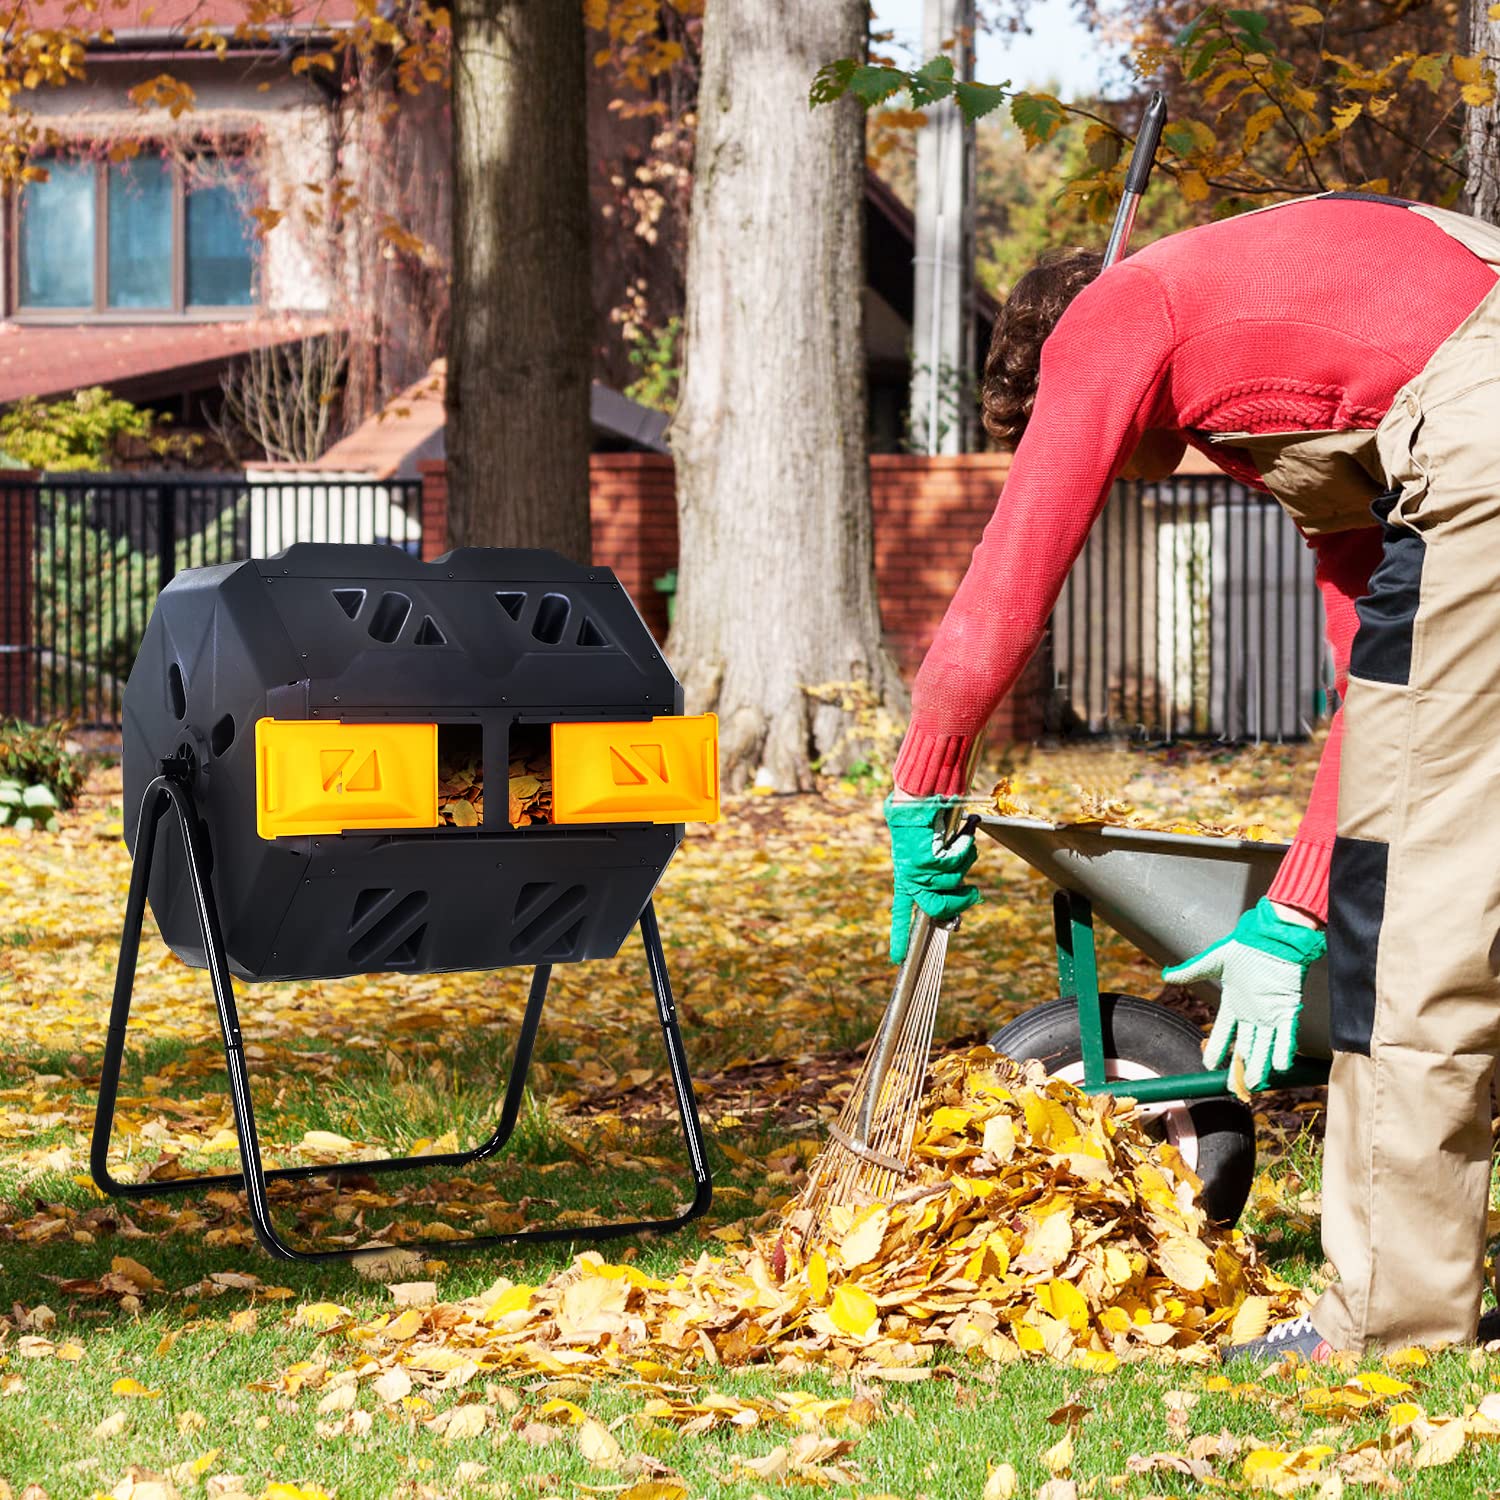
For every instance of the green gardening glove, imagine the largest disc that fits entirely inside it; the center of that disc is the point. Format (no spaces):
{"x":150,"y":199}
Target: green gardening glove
{"x":927,"y":872}
{"x":1260,"y":968}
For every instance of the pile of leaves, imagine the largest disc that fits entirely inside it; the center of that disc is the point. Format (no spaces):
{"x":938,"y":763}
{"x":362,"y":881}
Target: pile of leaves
{"x":1038,"y":1221}
{"x":1249,"y":792}
{"x":1099,"y":809}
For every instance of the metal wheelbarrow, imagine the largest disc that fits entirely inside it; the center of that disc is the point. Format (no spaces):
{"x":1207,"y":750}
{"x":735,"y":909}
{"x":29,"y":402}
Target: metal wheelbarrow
{"x":1170,"y":894}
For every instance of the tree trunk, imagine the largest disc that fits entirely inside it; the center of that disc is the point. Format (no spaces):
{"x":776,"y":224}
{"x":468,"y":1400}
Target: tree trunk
{"x":518,"y":432}
{"x":1482,"y":127}
{"x":776,"y":582}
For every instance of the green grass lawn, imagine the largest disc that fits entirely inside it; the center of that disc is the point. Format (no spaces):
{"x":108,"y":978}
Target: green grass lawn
{"x":774,"y":935}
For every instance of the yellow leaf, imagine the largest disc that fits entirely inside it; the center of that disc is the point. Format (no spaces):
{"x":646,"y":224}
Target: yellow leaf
{"x":1095,"y":1361}
{"x":853,"y":1311}
{"x":324,"y":1140}
{"x":1002,"y":1483}
{"x":1185,"y":1261}
{"x":1251,"y":1319}
{"x":1411,"y":1357}
{"x":515,"y":1299}
{"x":1442,"y":1446}
{"x":1000,"y":1137}
{"x":1381,"y":1385}
{"x":405,"y":1325}
{"x":1192,"y":185}
{"x":817,"y":1276}
{"x":465,"y":1422}
{"x":279,"y":1491}
{"x":1304,"y":15}
{"x":1260,"y":122}
{"x":949,"y":1121}
{"x":128,"y":1387}
{"x":438,"y":1361}
{"x":655,"y":1489}
{"x":598,"y":1446}
{"x":1404,"y":1413}
{"x":1058,"y":1459}
{"x":1468,"y":69}
{"x":321,"y":1315}
{"x":1063,"y":1300}
{"x":863,"y":1241}
{"x":1343,"y":118}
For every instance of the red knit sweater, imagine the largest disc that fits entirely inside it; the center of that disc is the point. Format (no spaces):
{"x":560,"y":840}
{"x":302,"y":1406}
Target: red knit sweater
{"x":1307,"y":318}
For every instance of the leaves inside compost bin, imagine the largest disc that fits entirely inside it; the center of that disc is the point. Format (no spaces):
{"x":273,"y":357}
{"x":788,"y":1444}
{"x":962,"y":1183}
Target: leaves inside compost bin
{"x":460,"y":784}
{"x":530,"y":790}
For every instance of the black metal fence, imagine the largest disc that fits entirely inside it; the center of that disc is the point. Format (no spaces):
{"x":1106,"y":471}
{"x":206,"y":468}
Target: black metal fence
{"x":101,"y":547}
{"x":1191,"y":613}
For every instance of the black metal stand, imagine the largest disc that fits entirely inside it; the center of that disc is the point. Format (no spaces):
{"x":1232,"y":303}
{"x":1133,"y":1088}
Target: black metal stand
{"x":166,"y":793}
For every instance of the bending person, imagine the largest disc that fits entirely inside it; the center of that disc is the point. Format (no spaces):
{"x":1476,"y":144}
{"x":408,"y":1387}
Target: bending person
{"x":1343,"y":353}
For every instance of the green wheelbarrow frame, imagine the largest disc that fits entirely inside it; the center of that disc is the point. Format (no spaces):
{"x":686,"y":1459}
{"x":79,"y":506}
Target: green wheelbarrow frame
{"x":1171,"y":895}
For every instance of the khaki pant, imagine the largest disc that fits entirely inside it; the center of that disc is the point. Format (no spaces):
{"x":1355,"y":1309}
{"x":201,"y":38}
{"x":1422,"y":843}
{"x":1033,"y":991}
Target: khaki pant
{"x":1414,"y":925}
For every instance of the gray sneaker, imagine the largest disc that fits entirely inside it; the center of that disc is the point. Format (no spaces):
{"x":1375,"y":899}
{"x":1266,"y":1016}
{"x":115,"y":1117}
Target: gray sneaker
{"x":1297,"y":1337}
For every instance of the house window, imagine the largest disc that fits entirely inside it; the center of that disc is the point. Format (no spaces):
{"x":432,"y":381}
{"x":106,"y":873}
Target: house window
{"x":146,"y":235}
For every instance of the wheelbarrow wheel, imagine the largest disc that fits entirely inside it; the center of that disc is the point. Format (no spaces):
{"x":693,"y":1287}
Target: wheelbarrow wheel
{"x":1144,"y":1040}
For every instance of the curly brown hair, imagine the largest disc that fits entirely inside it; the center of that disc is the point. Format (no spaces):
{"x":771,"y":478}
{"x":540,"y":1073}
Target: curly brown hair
{"x":1013,"y":364}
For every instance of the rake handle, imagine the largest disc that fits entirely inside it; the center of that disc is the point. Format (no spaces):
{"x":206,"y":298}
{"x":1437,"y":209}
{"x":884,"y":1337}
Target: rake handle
{"x":894,"y":1017}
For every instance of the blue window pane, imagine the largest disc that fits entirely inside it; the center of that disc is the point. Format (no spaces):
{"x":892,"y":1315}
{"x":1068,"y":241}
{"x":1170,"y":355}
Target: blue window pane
{"x":140,"y":234}
{"x":57,"y":237}
{"x":220,"y":245}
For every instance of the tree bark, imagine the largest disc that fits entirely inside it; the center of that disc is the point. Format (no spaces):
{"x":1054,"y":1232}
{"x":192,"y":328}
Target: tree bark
{"x":518,"y":433}
{"x":776,"y":582}
{"x":1482,"y":124}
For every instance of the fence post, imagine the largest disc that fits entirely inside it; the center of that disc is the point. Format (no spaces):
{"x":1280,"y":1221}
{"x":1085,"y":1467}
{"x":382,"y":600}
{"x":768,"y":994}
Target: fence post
{"x":18,"y":502}
{"x":166,"y":536}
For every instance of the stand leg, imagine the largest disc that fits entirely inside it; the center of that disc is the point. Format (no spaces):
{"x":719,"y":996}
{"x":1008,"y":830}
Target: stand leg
{"x":166,"y":793}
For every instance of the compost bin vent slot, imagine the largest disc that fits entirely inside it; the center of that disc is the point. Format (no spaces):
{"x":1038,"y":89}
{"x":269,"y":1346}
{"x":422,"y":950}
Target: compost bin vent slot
{"x":390,"y":616}
{"x":176,"y":691}
{"x":428,"y":633}
{"x":408,"y":952}
{"x":512,"y":604}
{"x":589,"y":634}
{"x":391,"y":936}
{"x":364,"y":904}
{"x":351,"y":601}
{"x":551,"y":618}
{"x":222,"y":735}
{"x":550,"y":920}
{"x":566,"y":945}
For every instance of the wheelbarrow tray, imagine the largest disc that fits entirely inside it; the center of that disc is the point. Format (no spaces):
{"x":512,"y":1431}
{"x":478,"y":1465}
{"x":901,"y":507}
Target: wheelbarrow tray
{"x":1170,"y":894}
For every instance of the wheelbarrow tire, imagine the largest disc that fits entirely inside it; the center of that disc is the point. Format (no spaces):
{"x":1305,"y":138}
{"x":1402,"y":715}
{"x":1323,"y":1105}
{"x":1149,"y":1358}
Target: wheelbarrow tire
{"x":1162,"y":1042}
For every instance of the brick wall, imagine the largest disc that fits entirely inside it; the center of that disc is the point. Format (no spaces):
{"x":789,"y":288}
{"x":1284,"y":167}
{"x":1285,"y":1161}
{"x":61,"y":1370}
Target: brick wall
{"x":633,"y":511}
{"x":16,"y":537}
{"x":929,"y":513}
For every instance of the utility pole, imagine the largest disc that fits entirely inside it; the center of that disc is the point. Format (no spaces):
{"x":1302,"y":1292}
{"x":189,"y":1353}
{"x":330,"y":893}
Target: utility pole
{"x":942,"y":377}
